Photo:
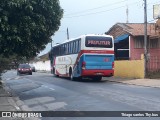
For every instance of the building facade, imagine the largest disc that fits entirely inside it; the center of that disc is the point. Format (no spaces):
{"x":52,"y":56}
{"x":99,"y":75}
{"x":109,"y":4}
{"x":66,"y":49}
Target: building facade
{"x":129,"y":42}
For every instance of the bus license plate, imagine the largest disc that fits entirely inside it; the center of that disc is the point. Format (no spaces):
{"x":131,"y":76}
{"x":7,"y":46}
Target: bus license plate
{"x":98,"y":73}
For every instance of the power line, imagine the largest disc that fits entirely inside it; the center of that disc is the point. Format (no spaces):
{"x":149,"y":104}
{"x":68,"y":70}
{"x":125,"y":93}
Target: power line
{"x":72,"y":14}
{"x":98,"y":12}
{"x":95,"y":8}
{"x":95,"y":12}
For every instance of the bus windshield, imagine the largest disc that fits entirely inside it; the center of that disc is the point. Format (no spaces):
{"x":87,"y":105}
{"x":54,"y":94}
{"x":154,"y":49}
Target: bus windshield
{"x":98,"y":41}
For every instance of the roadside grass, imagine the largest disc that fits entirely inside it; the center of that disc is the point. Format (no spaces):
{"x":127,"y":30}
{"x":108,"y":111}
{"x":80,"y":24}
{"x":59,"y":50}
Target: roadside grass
{"x":153,"y":75}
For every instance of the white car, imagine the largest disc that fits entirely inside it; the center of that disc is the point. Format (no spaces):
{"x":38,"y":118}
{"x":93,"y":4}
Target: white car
{"x":33,"y":68}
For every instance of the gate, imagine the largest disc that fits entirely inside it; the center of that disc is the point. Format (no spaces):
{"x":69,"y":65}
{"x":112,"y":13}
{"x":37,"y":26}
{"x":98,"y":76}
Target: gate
{"x":153,"y":64}
{"x":153,"y":67}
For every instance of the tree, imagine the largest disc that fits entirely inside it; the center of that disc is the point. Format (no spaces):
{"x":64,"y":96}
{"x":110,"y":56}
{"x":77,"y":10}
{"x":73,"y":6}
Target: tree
{"x":26,"y":26}
{"x":8,"y":63}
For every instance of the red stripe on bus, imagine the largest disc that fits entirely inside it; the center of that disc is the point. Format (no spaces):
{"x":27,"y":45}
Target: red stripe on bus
{"x":97,"y":73}
{"x":63,"y":75}
{"x":98,"y":51}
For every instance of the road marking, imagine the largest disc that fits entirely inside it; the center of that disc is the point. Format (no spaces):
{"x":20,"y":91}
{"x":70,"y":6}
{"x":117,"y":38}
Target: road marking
{"x":48,"y":87}
{"x":14,"y":78}
{"x":8,"y":78}
{"x":51,"y":89}
{"x":17,"y":78}
{"x":17,"y":107}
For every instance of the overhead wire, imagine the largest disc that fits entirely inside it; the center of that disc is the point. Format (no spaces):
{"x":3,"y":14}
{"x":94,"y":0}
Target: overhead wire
{"x":96,"y":8}
{"x":72,"y":15}
{"x":95,"y":12}
{"x":85,"y":14}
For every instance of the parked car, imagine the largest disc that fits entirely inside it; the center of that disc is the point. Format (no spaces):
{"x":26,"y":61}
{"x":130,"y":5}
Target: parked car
{"x":24,"y":69}
{"x":33,"y":68}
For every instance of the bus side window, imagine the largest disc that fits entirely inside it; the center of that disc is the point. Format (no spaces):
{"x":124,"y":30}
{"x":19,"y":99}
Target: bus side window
{"x":59,"y":50}
{"x":53,"y":53}
{"x":74,"y":46}
{"x":79,"y":45}
{"x":55,"y":49}
{"x":67,"y":48}
{"x":65,"y":51}
{"x":69,"y":45}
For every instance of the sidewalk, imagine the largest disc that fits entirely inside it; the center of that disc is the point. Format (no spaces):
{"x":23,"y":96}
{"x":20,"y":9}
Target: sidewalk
{"x":11,"y":103}
{"x":155,"y":83}
{"x":6,"y":101}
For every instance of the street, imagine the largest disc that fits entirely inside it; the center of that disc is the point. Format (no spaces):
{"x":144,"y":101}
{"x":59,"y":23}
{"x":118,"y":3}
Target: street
{"x":44,"y":92}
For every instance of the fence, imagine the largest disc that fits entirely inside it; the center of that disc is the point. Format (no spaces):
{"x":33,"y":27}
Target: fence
{"x":153,"y":64}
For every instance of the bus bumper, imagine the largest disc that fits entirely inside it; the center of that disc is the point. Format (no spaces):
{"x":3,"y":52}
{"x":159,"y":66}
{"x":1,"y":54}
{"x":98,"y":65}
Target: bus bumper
{"x":104,"y":73}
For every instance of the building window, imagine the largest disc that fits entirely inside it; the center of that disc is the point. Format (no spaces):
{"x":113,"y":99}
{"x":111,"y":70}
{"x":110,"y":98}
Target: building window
{"x":154,"y":43}
{"x":151,"y":43}
{"x":139,"y":42}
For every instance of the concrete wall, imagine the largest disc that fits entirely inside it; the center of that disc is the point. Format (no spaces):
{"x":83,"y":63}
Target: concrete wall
{"x":129,"y":68}
{"x":123,"y":68}
{"x":42,"y":65}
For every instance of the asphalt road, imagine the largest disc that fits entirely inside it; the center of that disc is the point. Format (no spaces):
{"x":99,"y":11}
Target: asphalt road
{"x":44,"y":92}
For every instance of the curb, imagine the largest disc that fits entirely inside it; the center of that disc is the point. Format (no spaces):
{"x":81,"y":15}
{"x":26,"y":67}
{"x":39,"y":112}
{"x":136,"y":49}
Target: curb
{"x":15,"y":101}
{"x":18,"y":104}
{"x":133,"y":84}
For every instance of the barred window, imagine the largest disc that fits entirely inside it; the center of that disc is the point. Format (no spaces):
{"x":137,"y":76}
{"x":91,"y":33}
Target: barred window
{"x":151,"y":43}
{"x":139,"y":42}
{"x":154,"y":43}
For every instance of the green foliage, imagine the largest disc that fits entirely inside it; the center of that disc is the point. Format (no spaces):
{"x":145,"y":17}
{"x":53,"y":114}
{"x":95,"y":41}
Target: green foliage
{"x":10,"y":62}
{"x":5,"y":63}
{"x":26,"y":26}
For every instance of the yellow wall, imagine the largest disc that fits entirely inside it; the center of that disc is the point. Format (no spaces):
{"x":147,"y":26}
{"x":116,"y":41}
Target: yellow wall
{"x":129,"y":68}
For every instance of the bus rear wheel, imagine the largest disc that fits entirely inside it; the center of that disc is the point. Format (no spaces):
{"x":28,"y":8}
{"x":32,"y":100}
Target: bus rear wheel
{"x":97,"y":78}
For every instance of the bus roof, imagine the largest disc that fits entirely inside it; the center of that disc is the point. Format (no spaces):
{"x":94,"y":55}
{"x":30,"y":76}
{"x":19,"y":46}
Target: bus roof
{"x":82,"y":36}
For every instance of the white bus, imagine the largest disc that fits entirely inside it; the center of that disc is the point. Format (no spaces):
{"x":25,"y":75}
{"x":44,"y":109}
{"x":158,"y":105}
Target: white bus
{"x":90,"y":56}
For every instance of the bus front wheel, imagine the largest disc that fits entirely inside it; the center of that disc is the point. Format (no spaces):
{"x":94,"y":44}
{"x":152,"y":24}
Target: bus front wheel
{"x":53,"y":72}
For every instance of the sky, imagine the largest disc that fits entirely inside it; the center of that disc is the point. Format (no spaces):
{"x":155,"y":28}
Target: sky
{"x":98,"y":16}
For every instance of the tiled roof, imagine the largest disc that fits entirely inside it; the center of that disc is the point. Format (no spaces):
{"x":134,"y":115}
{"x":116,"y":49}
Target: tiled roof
{"x":137,"y":29}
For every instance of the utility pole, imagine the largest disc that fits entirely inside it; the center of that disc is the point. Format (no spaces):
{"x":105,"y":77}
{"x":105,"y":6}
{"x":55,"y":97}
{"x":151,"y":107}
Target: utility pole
{"x":127,"y":12}
{"x":145,"y":38}
{"x":67,"y":34}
